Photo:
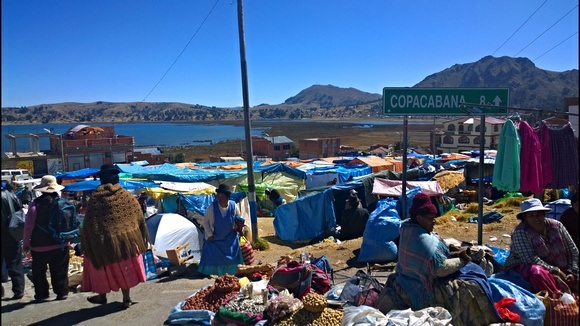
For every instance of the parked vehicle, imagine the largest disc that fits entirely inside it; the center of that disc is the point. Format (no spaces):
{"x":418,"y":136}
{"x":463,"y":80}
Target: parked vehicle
{"x":21,"y":174}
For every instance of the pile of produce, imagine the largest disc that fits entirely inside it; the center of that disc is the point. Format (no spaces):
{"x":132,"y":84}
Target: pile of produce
{"x":212,"y":297}
{"x":328,"y":317}
{"x":282,"y":306}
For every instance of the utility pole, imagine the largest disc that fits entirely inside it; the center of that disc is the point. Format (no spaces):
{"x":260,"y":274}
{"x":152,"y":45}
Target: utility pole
{"x":249,"y":151}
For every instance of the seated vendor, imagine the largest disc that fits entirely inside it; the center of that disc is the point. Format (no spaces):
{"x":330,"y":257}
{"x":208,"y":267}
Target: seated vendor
{"x":428,"y":276}
{"x":542,"y":251}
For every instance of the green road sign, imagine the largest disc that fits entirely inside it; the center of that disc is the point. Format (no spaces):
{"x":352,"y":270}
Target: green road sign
{"x":444,"y":101}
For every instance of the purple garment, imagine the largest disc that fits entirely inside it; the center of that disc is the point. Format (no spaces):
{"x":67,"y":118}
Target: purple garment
{"x":544,"y":137}
{"x":564,"y":153}
{"x":530,"y":160}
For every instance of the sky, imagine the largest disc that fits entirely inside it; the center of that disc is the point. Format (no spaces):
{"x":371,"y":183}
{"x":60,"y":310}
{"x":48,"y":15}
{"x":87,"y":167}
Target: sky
{"x":188,"y":51}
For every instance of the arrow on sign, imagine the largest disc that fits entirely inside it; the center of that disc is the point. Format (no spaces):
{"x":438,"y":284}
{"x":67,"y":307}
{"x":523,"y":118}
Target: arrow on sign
{"x":496,"y":100}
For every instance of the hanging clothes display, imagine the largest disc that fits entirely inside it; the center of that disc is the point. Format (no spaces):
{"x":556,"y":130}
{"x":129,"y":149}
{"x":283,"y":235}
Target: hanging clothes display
{"x":506,"y":171}
{"x":546,"y":153}
{"x":531,"y":178}
{"x":564,"y":152}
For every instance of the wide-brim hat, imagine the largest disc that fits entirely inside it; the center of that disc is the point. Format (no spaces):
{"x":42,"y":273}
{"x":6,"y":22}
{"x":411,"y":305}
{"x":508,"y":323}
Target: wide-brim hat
{"x":531,"y":205}
{"x":224,"y":189}
{"x":48,"y":184}
{"x":107,"y":170}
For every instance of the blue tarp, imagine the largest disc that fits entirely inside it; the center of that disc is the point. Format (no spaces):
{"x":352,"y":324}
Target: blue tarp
{"x":90,"y":185}
{"x":305,"y":218}
{"x":83,"y":173}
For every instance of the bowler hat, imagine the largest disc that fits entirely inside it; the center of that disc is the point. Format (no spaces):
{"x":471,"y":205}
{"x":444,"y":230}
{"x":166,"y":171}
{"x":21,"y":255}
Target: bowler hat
{"x":224,"y":189}
{"x":107,"y":170}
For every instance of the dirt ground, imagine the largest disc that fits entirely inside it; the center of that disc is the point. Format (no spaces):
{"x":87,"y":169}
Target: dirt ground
{"x":343,"y":255}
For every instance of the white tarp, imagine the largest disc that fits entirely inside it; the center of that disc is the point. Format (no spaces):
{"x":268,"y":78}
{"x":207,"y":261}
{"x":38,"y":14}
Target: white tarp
{"x":171,"y":230}
{"x":385,"y":187}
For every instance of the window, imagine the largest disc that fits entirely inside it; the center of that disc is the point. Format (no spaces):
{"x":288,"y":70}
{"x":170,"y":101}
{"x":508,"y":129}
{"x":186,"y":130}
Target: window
{"x":496,"y":128}
{"x":448,"y":140}
{"x":476,"y":140}
{"x":461,"y":127}
{"x":286,"y":147}
{"x":451,"y":127}
{"x":477,"y":129}
{"x":470,"y":128}
{"x":463,"y":140}
{"x":276,"y":147}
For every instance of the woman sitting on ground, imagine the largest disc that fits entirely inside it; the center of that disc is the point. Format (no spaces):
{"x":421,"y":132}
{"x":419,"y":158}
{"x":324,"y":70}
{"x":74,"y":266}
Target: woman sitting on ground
{"x":542,"y":251}
{"x":427,"y":276}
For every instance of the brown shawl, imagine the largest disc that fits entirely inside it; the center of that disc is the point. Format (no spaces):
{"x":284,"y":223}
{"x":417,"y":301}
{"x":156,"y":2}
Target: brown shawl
{"x":114,"y":227}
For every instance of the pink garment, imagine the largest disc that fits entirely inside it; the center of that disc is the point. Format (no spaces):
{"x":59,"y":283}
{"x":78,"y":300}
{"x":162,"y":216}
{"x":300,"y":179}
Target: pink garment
{"x":531,"y":176}
{"x":544,"y":138}
{"x":539,"y":277}
{"x":122,"y":275}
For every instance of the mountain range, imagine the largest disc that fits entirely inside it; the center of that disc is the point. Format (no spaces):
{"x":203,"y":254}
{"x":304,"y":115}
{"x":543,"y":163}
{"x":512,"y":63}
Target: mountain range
{"x":530,"y":87}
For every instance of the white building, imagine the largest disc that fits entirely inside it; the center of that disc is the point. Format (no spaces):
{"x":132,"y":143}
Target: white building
{"x":464,"y":134}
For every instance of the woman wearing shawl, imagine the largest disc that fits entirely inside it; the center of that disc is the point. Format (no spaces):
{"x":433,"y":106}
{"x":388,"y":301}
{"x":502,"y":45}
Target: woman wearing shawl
{"x":542,"y":251}
{"x":221,"y":252}
{"x":113,"y":237}
{"x":427,"y":275}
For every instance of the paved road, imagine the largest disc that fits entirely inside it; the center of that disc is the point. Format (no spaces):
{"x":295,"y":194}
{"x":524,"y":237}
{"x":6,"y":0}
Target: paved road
{"x":154,"y":301}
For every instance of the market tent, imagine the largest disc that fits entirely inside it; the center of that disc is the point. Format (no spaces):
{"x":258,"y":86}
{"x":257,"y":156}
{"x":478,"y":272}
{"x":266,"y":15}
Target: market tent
{"x":167,"y":231}
{"x":393,"y":188}
{"x":90,"y":185}
{"x":82,"y":173}
{"x":377,"y":164}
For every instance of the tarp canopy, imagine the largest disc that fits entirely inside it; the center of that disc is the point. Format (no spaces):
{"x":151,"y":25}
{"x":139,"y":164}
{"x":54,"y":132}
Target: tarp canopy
{"x":82,"y":173}
{"x":167,"y":231}
{"x":90,"y":185}
{"x":393,"y":188}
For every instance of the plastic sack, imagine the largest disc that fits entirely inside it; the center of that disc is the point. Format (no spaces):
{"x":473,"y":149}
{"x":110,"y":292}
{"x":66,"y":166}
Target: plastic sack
{"x":500,"y":255}
{"x":435,"y":316}
{"x":363,"y":316}
{"x":381,"y":229}
{"x":410,"y":195}
{"x":530,"y":309}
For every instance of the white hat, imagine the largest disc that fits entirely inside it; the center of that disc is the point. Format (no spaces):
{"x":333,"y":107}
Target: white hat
{"x":531,"y":205}
{"x":48,"y":184}
{"x":353,"y":192}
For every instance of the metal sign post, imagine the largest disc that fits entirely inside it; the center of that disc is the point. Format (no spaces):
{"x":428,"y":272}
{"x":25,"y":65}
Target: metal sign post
{"x":407,"y":101}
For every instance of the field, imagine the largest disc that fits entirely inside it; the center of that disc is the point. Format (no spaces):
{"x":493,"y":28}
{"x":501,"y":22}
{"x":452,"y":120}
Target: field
{"x":359,"y":136}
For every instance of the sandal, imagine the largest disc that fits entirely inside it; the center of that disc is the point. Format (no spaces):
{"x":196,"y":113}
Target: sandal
{"x":127,"y":303}
{"x":97,"y":299}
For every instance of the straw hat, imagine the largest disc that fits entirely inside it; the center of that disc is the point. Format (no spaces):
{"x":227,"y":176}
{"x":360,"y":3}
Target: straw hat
{"x":48,"y":184}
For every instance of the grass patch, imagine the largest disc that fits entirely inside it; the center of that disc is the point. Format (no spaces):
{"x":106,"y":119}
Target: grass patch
{"x":260,"y":244}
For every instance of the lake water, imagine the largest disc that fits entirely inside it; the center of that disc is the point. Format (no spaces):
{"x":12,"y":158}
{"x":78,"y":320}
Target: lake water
{"x":146,"y":134}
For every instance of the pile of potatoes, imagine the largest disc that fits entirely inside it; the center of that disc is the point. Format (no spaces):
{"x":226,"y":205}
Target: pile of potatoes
{"x":303,"y":317}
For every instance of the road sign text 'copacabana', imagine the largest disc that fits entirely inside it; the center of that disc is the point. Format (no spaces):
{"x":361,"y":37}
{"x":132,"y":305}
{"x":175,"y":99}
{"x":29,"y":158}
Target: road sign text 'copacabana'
{"x":444,"y":101}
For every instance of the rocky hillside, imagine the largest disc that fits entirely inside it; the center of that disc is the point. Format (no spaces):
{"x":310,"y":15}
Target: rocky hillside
{"x":530,"y":87}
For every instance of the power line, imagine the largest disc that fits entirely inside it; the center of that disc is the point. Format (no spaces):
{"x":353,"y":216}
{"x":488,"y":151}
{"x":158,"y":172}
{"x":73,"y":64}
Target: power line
{"x":520,"y":27}
{"x":546,"y":30}
{"x":555,"y":46}
{"x":182,"y":51}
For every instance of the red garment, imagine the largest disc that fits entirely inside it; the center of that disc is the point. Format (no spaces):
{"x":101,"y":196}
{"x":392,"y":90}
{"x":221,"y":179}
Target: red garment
{"x":504,"y":312}
{"x":544,"y":137}
{"x":531,"y":176}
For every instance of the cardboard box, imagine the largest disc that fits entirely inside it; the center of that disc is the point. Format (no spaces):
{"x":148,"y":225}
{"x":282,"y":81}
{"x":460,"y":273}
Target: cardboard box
{"x":178,"y":254}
